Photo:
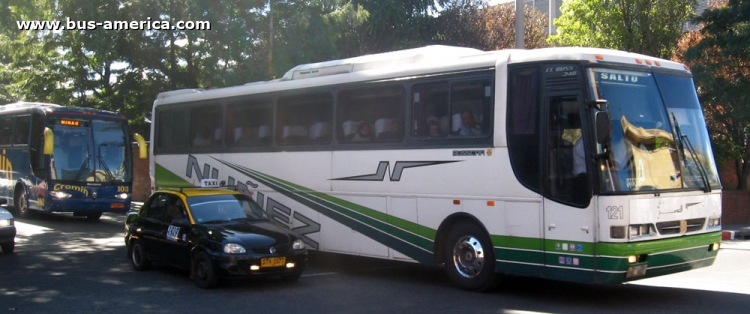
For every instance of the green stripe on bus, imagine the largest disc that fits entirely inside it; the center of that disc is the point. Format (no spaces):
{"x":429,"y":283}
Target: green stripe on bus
{"x":166,"y":179}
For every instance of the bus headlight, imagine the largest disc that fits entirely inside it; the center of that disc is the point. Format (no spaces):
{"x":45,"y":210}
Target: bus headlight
{"x":60,"y":194}
{"x":617,"y":232}
{"x":714,"y":222}
{"x":122,"y":196}
{"x":643,"y":230}
{"x":234,"y":248}
{"x":298,"y":244}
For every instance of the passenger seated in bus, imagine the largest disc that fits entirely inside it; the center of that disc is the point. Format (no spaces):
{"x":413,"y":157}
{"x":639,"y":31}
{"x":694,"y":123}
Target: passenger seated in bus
{"x":391,"y":132}
{"x":433,"y":129}
{"x":247,"y":137}
{"x":203,"y":138}
{"x":364,"y":133}
{"x":468,"y":124}
{"x":22,"y":137}
{"x":319,"y":131}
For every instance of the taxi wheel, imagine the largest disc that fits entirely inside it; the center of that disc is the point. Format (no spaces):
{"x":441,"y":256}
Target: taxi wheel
{"x":204,"y":271}
{"x":138,"y":256}
{"x":8,"y":247}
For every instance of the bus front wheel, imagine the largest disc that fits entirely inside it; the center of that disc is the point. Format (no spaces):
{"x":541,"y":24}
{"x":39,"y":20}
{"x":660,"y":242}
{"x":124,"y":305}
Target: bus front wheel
{"x":469,"y":258}
{"x":22,"y":205}
{"x":94,"y":216}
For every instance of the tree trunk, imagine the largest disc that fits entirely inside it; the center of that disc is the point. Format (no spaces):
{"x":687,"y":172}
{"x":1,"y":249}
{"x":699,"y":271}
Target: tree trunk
{"x":742,"y":169}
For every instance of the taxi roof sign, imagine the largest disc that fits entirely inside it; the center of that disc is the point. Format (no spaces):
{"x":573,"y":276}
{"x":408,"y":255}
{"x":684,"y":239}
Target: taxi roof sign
{"x":209,"y":183}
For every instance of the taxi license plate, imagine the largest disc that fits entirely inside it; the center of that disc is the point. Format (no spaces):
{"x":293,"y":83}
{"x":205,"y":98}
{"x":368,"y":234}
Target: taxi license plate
{"x":272,"y":261}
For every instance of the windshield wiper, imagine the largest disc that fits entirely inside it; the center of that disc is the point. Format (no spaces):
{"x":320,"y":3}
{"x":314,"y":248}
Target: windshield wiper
{"x":83,"y":166}
{"x":683,"y":142}
{"x":104,"y":167}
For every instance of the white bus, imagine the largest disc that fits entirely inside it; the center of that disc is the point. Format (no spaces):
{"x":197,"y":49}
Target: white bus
{"x":574,"y":164}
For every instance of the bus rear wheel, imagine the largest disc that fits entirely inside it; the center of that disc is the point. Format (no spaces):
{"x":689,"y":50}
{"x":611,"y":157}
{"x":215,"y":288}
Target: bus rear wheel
{"x":469,"y":258}
{"x":22,"y":205}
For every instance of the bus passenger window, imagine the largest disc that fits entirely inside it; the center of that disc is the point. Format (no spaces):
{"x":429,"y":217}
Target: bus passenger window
{"x":466,"y":123}
{"x":363,"y":134}
{"x":202,"y":138}
{"x":388,"y":130}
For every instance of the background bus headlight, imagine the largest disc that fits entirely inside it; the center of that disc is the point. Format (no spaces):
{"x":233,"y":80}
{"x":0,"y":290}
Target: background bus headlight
{"x":60,"y":194}
{"x":122,"y":196}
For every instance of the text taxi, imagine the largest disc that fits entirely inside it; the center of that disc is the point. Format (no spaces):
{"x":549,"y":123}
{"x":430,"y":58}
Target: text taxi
{"x":216,"y":233}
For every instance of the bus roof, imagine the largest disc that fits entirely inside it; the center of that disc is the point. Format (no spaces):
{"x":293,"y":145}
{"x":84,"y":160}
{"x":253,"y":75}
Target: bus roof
{"x":50,"y":107}
{"x":416,"y":61}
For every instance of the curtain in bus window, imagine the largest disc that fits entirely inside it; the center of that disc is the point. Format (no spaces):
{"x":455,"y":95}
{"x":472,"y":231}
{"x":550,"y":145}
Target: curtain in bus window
{"x":523,"y":115}
{"x":20,"y":133}
{"x":525,"y":91}
{"x":172,"y":131}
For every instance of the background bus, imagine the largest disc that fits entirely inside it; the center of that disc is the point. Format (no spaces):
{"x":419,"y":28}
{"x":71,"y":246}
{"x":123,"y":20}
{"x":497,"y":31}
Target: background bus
{"x":65,"y":159}
{"x":576,"y":164}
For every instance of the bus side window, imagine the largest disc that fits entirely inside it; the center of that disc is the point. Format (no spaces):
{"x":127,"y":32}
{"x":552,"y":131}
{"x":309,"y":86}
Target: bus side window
{"x":6,"y":125}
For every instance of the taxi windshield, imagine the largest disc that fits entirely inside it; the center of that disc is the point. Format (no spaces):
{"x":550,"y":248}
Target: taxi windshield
{"x":224,"y":207}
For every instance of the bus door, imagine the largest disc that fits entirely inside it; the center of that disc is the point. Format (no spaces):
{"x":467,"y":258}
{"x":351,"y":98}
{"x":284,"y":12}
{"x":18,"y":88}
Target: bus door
{"x":568,"y":214}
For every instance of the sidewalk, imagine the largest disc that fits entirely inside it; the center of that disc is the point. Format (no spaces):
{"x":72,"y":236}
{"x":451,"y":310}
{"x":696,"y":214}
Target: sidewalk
{"x":735,"y":232}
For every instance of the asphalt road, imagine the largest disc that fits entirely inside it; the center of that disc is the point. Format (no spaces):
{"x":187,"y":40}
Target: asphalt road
{"x":67,"y":265}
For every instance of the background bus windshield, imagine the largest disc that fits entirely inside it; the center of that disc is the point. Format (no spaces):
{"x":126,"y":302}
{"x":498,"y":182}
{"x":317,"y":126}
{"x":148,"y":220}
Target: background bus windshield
{"x":89,"y":150}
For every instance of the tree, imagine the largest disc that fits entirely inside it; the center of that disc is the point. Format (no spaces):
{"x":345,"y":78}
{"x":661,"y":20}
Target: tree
{"x":490,"y":28}
{"x":719,"y":57}
{"x":650,"y":27}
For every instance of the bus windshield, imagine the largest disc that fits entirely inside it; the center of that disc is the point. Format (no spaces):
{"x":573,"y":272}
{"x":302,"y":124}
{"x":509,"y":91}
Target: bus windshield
{"x":90,"y":150}
{"x":659,"y":140}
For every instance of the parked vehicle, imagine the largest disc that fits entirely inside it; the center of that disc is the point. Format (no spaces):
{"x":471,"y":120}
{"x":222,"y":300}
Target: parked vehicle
{"x":215,"y":233}
{"x":7,"y":229}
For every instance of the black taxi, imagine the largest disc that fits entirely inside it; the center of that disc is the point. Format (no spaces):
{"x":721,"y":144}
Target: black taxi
{"x":215,"y":233}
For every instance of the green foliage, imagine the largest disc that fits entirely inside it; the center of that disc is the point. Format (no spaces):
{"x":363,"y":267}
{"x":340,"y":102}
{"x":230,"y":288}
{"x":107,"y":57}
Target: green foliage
{"x":249,"y":40}
{"x":651,"y":27}
{"x":720,"y":62}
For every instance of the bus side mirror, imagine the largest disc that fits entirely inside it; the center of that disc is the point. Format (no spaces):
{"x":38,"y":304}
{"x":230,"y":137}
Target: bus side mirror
{"x":142,"y":149}
{"x":603,"y":127}
{"x":49,"y":141}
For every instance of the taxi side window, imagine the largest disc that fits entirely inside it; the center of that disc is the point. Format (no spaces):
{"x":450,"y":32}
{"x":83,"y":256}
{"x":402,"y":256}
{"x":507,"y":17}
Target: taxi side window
{"x":174,"y":209}
{"x":156,"y":209}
